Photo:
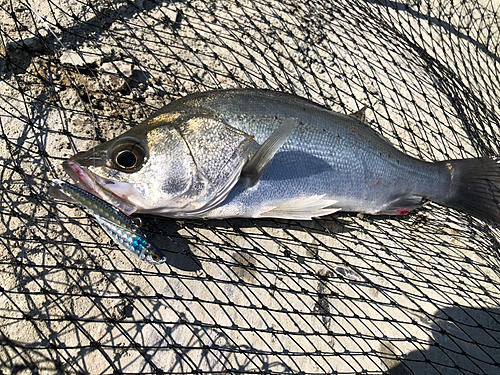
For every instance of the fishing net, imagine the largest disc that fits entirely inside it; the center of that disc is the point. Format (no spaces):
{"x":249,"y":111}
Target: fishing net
{"x":344,"y":294}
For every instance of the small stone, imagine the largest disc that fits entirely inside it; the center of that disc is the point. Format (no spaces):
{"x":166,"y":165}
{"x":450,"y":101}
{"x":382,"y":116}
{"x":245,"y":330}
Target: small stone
{"x":111,"y":78}
{"x":114,"y":82}
{"x":43,"y":32}
{"x":32,"y":43}
{"x":170,"y":13}
{"x":83,"y":58}
{"x":125,"y":68}
{"x":116,"y":67}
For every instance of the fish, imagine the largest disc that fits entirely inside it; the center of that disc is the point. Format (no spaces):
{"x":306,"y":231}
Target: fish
{"x":260,"y":154}
{"x":121,"y":228}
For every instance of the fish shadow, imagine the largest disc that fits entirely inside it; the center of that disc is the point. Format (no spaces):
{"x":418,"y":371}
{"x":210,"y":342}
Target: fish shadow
{"x":171,"y":238}
{"x":176,"y":238}
{"x":164,"y":233}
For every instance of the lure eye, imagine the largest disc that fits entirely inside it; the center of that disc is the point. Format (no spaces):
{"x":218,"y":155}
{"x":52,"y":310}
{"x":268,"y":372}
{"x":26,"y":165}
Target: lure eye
{"x":155,"y":256}
{"x":128,"y":155}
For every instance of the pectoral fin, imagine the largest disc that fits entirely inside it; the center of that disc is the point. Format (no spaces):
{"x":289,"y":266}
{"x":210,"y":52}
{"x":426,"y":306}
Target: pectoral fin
{"x":256,"y":166}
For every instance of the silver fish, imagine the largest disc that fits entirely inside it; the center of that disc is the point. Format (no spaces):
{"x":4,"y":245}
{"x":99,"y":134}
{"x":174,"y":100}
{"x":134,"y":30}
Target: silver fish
{"x":116,"y":224}
{"x":258,"y":153}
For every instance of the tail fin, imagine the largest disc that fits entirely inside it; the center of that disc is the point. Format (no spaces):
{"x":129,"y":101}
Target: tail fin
{"x":475,"y":187}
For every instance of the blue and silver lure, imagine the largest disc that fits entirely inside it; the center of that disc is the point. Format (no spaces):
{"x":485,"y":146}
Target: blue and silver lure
{"x":115,"y":223}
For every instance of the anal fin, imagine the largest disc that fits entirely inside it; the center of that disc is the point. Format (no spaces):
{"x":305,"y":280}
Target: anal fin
{"x":402,"y":206}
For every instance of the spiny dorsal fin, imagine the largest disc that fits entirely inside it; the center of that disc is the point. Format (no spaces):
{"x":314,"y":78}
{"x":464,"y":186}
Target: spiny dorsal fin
{"x":256,"y":166}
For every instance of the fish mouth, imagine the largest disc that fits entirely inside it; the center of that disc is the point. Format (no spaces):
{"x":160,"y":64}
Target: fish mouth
{"x":81,"y":177}
{"x":96,"y":185}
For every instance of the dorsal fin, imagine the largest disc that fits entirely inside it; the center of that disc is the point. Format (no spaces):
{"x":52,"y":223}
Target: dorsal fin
{"x":360,"y":115}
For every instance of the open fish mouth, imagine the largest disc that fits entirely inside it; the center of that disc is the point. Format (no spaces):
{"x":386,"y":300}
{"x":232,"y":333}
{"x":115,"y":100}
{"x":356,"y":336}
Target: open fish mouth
{"x":96,"y":185}
{"x":81,"y":177}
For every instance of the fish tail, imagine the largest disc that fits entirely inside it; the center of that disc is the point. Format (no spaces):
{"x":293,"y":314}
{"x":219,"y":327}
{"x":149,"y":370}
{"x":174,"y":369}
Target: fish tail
{"x":475,"y":187}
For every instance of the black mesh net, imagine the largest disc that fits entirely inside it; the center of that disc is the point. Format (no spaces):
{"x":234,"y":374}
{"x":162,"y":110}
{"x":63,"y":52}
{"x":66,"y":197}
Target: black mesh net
{"x":344,"y":294}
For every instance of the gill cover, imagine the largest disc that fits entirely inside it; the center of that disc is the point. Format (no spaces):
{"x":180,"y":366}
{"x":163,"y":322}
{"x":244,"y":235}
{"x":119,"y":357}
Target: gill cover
{"x":219,"y":153}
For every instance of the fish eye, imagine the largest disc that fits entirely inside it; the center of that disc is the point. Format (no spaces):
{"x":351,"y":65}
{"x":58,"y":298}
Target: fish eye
{"x":126,"y":159}
{"x":128,"y":155}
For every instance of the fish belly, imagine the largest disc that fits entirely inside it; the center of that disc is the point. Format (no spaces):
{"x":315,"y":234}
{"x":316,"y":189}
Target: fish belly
{"x":301,"y":186}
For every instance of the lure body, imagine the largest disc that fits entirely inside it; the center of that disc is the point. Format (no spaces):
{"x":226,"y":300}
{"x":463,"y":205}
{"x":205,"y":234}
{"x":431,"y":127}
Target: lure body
{"x":115,"y":223}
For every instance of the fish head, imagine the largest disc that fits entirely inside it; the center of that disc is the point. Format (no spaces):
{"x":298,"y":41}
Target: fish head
{"x":173,"y":163}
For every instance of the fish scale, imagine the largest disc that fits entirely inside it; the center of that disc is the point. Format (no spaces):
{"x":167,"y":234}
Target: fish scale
{"x":133,"y":242}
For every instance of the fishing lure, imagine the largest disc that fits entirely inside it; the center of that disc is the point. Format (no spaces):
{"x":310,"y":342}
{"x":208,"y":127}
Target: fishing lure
{"x":115,"y":223}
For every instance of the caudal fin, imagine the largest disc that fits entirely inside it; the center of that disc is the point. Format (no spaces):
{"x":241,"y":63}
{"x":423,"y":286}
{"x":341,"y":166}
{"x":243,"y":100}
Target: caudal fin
{"x":475,"y":186}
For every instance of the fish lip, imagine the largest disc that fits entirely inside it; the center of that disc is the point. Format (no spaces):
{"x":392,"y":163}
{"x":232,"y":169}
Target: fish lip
{"x":81,"y":177}
{"x":89,"y":182}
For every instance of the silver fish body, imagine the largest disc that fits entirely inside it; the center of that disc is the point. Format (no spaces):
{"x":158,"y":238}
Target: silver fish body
{"x":115,"y":223}
{"x":190,"y":155}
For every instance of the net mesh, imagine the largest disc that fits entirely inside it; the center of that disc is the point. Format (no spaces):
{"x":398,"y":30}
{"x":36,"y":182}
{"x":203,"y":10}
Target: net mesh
{"x":344,"y":294}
